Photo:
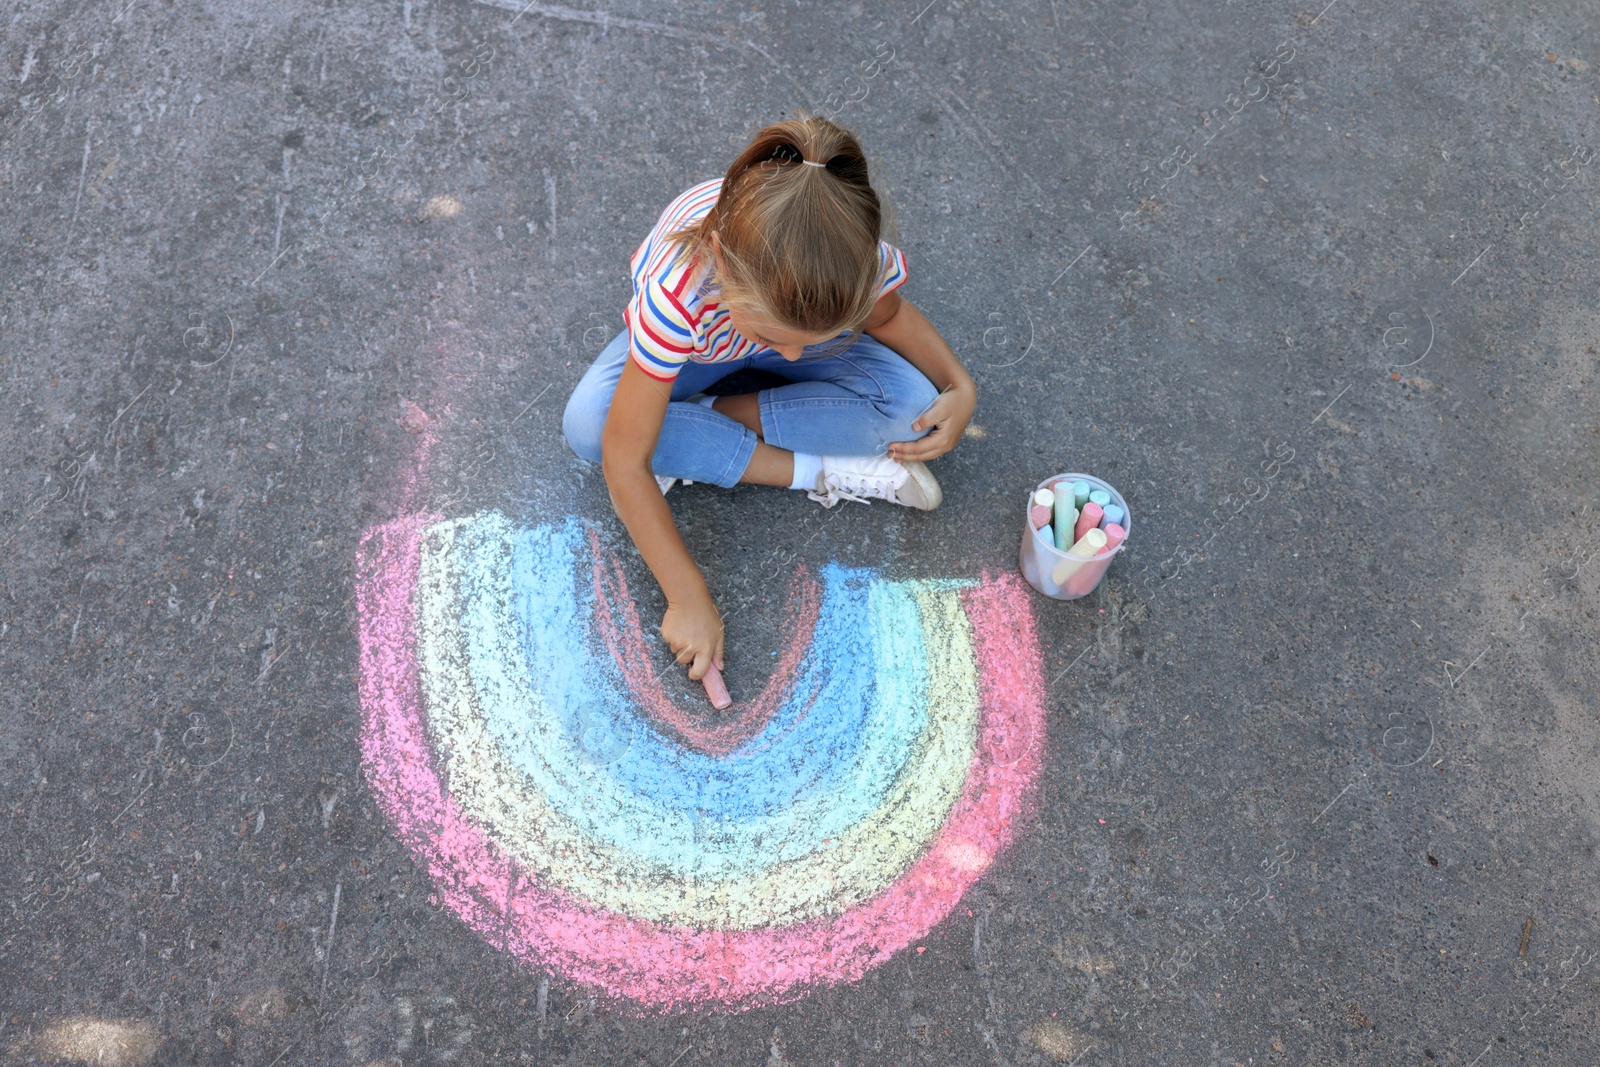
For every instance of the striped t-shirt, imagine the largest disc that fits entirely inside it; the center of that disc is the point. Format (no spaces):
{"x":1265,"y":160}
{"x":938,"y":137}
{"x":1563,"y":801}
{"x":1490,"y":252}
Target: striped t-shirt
{"x":676,"y":313}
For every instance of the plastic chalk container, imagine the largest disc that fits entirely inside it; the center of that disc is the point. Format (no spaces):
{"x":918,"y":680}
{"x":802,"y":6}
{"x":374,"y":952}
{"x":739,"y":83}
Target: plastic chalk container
{"x":1050,"y":570}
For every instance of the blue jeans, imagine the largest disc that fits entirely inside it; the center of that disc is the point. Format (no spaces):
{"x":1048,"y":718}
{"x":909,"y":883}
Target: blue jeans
{"x":856,"y":404}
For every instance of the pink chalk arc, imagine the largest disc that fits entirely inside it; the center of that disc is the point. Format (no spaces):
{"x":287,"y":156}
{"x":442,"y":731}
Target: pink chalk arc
{"x":656,"y":966}
{"x":617,"y":620}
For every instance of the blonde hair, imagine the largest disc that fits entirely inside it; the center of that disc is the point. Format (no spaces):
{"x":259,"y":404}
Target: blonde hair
{"x":799,"y":243}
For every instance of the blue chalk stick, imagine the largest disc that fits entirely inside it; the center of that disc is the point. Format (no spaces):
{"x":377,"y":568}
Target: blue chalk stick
{"x":1113,"y":514}
{"x":1101,"y":497}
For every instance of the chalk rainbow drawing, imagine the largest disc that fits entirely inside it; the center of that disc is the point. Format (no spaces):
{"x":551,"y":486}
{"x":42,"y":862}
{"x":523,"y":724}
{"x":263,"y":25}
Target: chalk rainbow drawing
{"x":516,"y":736}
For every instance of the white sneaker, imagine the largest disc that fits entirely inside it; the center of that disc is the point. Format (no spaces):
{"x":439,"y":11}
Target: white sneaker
{"x":863,"y":478}
{"x":667,"y":483}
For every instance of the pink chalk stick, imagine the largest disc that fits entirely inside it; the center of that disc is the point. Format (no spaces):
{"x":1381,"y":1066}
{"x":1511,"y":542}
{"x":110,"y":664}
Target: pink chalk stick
{"x":715,"y":689}
{"x":1040,"y":515}
{"x":1088,"y":519}
{"x":1114,"y":536}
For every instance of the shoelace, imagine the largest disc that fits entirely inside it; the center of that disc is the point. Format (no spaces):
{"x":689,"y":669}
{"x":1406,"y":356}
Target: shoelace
{"x":834,"y":495}
{"x":839,"y":486}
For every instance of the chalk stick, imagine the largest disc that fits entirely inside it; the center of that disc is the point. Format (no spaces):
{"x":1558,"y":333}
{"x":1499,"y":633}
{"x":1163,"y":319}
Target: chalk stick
{"x":1063,"y":526}
{"x":1065,"y":523}
{"x":1086,"y":546}
{"x":1080,"y":494}
{"x":1088,"y":519}
{"x":1114,"y":535}
{"x":1101,"y":497}
{"x":1047,"y":533}
{"x":1040,"y":514}
{"x":715,"y":690}
{"x":1081,"y":551}
{"x":1044,"y":498}
{"x":1066,"y":516}
{"x":1113,"y":514}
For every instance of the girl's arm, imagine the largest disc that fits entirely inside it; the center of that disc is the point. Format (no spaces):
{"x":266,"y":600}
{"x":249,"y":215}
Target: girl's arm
{"x":692,"y":626}
{"x":900,"y":326}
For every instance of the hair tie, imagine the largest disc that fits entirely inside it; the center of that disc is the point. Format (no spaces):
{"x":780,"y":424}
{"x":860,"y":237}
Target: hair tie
{"x":812,"y":163}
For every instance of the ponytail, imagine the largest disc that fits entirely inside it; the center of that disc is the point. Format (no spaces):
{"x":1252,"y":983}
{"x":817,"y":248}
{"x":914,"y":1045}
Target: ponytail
{"x":799,"y":225}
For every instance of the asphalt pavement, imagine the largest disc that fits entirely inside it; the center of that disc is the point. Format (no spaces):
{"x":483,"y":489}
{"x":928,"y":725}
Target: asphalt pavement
{"x":297,"y":566}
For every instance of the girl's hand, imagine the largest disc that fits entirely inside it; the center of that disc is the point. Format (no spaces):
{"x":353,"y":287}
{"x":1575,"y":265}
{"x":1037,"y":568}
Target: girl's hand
{"x":694,"y":633}
{"x":948,"y":415}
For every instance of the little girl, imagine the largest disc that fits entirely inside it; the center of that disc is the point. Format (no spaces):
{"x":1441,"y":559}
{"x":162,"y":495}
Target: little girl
{"x":778,"y":266}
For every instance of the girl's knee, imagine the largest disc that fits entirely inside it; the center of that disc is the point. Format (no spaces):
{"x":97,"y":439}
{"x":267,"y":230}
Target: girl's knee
{"x":910,"y":401}
{"x":583,"y":428}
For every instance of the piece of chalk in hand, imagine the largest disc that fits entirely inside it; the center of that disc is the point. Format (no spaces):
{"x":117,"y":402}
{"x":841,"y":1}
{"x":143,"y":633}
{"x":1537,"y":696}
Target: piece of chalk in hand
{"x":715,"y":690}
